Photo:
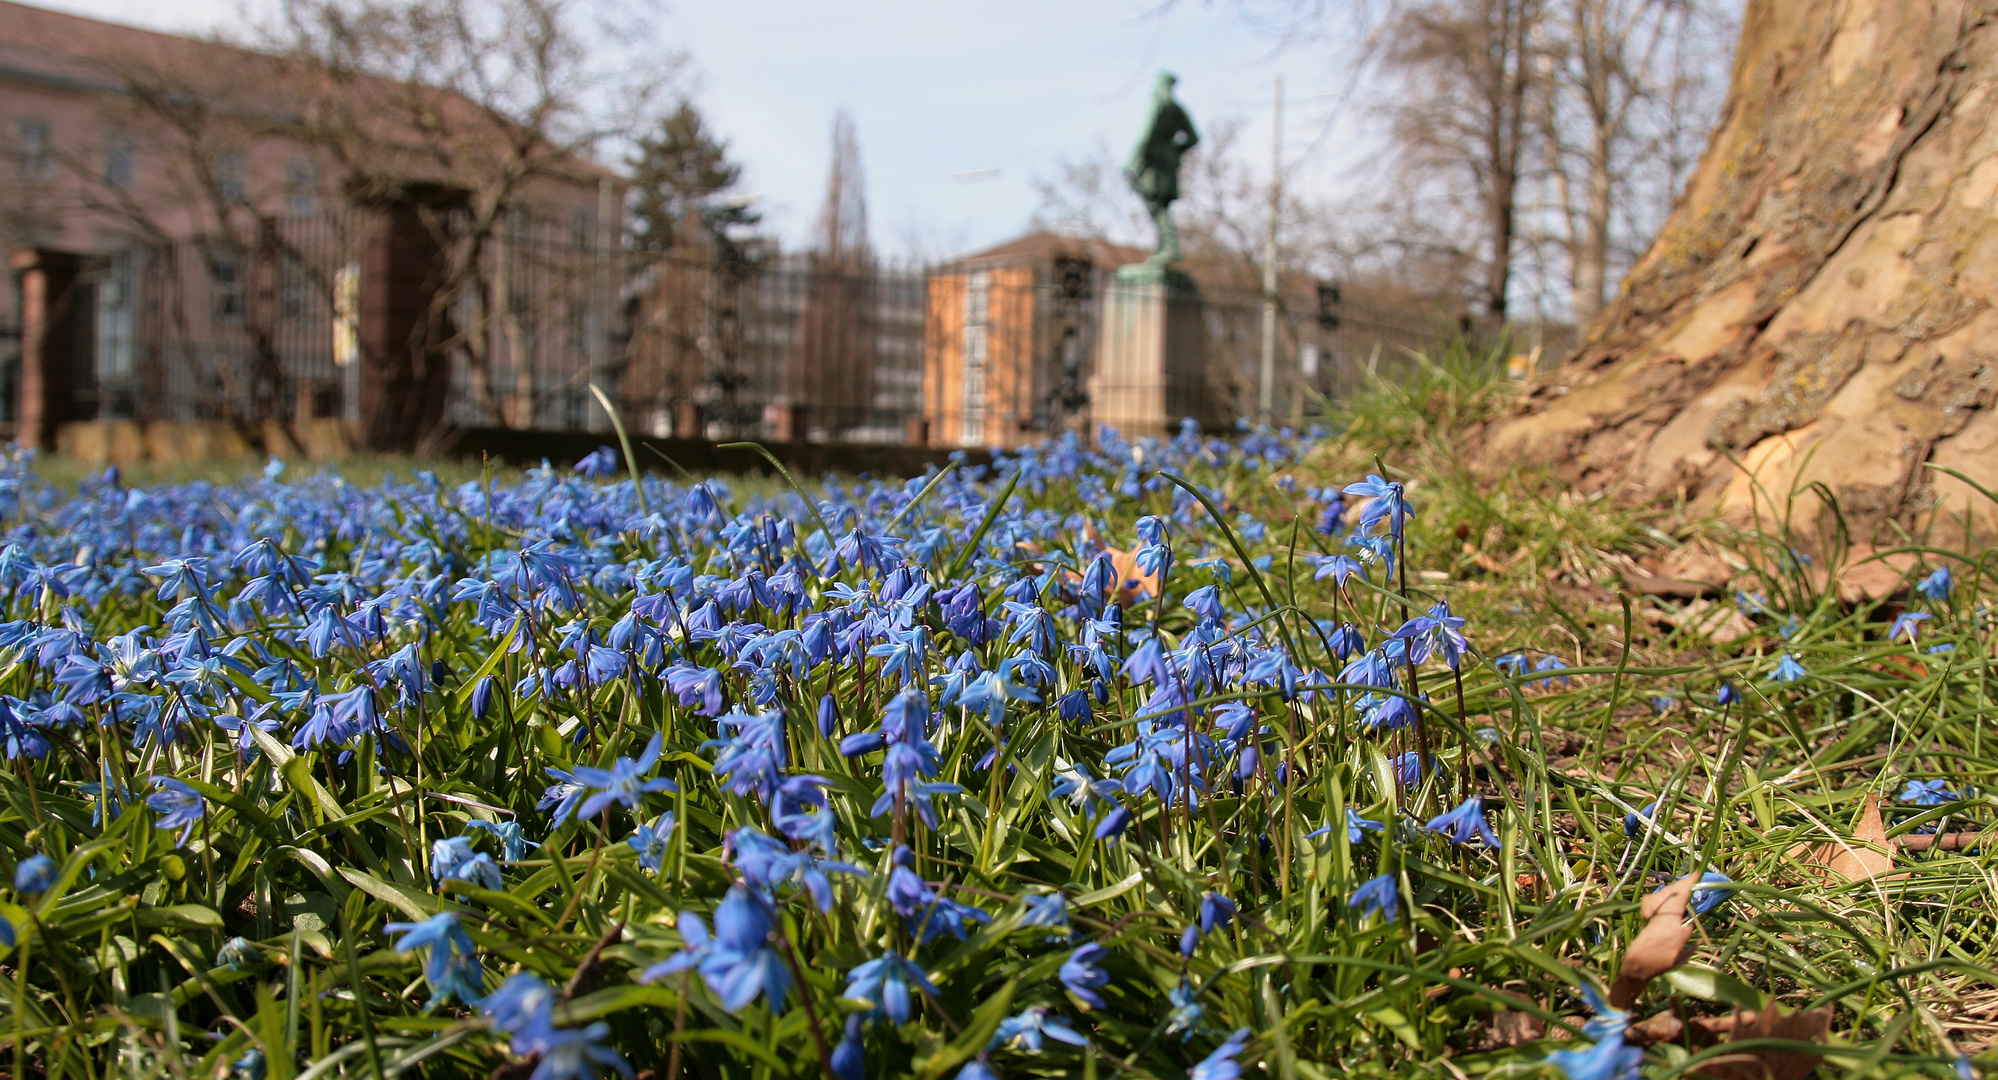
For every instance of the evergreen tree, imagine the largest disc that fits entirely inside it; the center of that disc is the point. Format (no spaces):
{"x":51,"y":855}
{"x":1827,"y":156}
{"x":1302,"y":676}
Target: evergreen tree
{"x":680,"y":179}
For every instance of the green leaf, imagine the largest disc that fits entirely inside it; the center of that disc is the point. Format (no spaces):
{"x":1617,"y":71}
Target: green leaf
{"x":416,"y":905}
{"x":471,"y":682}
{"x":191,"y":916}
{"x":737,"y":1040}
{"x":1708,"y":984}
{"x":1392,"y":1019}
{"x":984,"y":1021}
{"x":1110,"y":892}
{"x":984,"y":526}
{"x":596,"y":1006}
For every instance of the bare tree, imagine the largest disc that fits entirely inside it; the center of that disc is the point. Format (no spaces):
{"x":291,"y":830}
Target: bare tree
{"x":1463,"y":71}
{"x":1625,"y":87}
{"x":836,"y":327}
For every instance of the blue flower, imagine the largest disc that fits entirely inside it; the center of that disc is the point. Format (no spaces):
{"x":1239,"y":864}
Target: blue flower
{"x":1788,"y":670}
{"x":1048,"y":910}
{"x":1705,"y":900}
{"x":513,"y":839}
{"x":1338,"y":568}
{"x":849,"y":1058}
{"x":1081,"y":975}
{"x":1221,"y":1064}
{"x":697,"y":946}
{"x":624,"y":782}
{"x":523,"y":1007}
{"x":1937,"y":585}
{"x":1357,"y":827}
{"x":1407,"y":768}
{"x":885,"y":983}
{"x":947,"y":916}
{"x":1205,"y":602}
{"x":1026,"y":1029}
{"x":1907,"y":624}
{"x":578,"y":1054}
{"x":1609,"y":1058}
{"x":237,"y":952}
{"x":1463,"y":823}
{"x":742,"y":964}
{"x":35,"y":875}
{"x":1928,"y":792}
{"x":178,"y":805}
{"x":1552,"y":663}
{"x":1634,"y":822}
{"x":1187,"y":1016}
{"x":1216,"y":912}
{"x":1114,"y":823}
{"x":1384,"y":502}
{"x":1379,"y":896}
{"x":1727,"y":694}
{"x":598,"y":463}
{"x":444,"y":941}
{"x":650,"y":841}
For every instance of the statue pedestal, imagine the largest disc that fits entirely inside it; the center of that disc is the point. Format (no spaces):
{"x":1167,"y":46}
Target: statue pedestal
{"x":1149,"y":372}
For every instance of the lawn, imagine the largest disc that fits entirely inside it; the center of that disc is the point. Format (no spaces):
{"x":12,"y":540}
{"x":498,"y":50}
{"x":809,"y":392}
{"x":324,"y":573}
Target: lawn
{"x":1310,"y":755}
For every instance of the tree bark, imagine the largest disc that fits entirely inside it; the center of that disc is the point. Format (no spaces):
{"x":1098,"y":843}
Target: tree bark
{"x":1818,"y":307}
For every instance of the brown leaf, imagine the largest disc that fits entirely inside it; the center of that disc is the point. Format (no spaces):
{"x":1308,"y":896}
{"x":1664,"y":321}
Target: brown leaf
{"x":1660,"y":946}
{"x":1868,"y":575}
{"x":1664,"y":1027}
{"x":1770,"y":1023}
{"x":1857,"y":859}
{"x":1130,"y":580}
{"x":1694,"y":563}
{"x":1509,"y":1027}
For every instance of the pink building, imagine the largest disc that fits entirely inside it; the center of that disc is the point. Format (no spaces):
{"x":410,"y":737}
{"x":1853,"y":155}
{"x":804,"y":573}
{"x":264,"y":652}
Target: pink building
{"x":205,"y":235}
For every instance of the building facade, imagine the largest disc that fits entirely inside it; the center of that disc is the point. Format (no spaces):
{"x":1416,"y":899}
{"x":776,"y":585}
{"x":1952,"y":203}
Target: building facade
{"x":185,"y":250}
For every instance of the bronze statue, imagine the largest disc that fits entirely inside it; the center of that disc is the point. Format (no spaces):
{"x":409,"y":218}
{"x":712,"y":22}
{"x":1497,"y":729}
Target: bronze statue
{"x":1154,"y":166}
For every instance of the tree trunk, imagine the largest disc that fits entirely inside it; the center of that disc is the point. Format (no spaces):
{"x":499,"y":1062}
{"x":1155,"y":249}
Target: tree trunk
{"x":1818,"y":307}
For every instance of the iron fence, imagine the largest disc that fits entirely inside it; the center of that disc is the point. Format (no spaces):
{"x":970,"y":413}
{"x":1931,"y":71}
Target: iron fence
{"x":783,"y":349}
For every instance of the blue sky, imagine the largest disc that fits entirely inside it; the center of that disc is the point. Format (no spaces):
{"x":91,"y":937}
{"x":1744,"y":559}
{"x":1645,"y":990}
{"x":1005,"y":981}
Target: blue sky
{"x":938,"y":89}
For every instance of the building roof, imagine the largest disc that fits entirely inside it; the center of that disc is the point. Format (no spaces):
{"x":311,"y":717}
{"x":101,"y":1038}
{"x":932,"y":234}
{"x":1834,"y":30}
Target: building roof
{"x":56,"y":49}
{"x":1044,"y":246}
{"x":51,"y":47}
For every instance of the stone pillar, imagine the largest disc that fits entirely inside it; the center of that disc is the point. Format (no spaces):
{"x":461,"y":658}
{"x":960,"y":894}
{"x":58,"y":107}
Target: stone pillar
{"x":1149,"y":371}
{"x":52,"y":339}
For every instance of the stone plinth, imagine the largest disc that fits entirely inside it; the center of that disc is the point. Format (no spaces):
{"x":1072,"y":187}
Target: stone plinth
{"x":1149,"y":372}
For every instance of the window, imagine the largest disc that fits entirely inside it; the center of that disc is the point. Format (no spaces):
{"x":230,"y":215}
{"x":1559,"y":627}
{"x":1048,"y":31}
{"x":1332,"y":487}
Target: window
{"x":31,"y":138}
{"x":229,"y":180}
{"x":226,"y":276}
{"x":977,"y":311}
{"x":300,"y":181}
{"x":118,"y":164}
{"x":116,"y":325}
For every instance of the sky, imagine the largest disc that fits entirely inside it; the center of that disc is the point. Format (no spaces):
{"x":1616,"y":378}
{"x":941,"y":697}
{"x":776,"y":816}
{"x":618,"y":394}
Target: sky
{"x":959,"y":106}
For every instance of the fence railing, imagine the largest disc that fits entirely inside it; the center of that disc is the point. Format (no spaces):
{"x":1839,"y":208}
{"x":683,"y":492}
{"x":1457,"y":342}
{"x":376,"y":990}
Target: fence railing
{"x":787,"y":349}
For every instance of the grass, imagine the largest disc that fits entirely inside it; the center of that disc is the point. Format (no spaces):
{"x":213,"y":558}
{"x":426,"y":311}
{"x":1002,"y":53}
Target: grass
{"x":258,"y":943}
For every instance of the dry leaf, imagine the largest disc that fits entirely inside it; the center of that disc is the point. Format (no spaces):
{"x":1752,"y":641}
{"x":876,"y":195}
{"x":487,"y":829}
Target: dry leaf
{"x":1770,"y":1023}
{"x":1857,"y":859}
{"x":1693,"y":563}
{"x":1130,"y":580}
{"x":1660,"y":946}
{"x":1664,"y":1027}
{"x":1510,"y":1027}
{"x":1722,"y":623}
{"x":1867,"y":575}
